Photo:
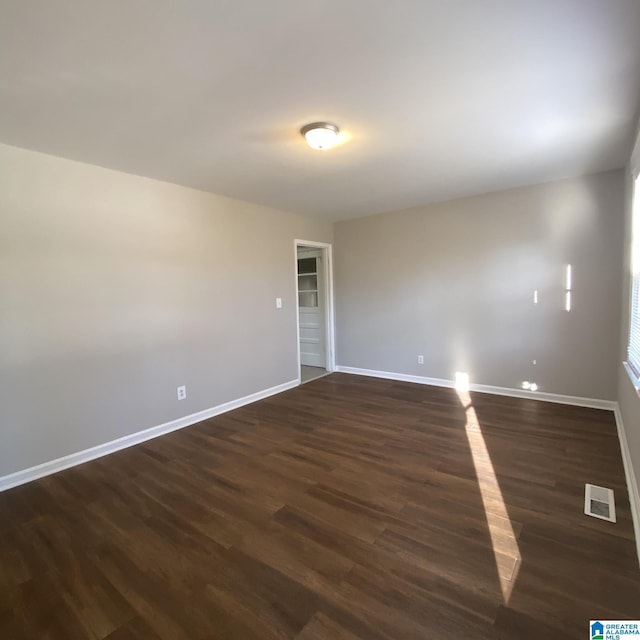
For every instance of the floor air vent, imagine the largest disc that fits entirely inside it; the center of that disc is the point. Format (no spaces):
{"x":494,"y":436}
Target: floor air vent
{"x":599,"y":502}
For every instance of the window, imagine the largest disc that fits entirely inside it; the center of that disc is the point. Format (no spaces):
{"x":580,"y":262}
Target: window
{"x":633,"y":350}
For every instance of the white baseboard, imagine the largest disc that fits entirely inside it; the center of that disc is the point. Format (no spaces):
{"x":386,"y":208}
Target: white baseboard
{"x":53,"y":466}
{"x":632,"y":483}
{"x":578,"y":401}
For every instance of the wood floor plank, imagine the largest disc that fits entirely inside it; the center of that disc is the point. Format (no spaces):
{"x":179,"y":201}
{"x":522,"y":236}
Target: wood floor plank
{"x":349,"y":508}
{"x":321,"y":627}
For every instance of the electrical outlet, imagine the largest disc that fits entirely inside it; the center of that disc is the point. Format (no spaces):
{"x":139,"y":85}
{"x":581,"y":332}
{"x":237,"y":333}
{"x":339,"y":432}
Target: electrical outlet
{"x":182,"y":392}
{"x":420,"y":359}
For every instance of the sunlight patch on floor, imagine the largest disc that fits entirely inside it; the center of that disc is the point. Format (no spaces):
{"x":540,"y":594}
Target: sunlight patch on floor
{"x":503,"y":539}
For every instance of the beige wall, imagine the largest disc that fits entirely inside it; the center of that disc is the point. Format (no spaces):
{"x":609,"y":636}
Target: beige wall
{"x":115,"y":289}
{"x":455,"y":282}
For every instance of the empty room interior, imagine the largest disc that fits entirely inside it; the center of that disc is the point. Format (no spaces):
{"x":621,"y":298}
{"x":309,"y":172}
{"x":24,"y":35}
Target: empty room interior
{"x":319,"y":320}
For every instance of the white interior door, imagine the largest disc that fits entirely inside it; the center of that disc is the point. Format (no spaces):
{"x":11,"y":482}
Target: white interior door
{"x":311,"y":301}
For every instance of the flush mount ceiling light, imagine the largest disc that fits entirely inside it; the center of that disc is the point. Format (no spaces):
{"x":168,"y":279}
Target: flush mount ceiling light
{"x":320,"y":135}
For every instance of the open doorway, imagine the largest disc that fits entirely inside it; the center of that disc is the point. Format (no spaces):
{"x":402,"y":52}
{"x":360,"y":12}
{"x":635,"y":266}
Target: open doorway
{"x":314,"y":289}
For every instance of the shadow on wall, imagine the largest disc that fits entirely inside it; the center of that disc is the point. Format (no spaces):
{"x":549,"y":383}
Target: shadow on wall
{"x":479,"y":285}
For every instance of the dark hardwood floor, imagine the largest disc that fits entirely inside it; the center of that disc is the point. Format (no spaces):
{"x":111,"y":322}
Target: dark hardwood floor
{"x":348,"y":508}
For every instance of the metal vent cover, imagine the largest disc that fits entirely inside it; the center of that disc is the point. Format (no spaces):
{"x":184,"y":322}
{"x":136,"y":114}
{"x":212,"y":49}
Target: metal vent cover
{"x":599,"y":502}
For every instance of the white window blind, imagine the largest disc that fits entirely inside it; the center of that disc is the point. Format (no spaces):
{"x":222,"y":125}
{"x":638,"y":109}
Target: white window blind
{"x":633,"y":352}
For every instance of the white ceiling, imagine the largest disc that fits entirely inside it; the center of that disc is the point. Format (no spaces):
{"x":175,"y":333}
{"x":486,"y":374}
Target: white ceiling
{"x":440,"y":98}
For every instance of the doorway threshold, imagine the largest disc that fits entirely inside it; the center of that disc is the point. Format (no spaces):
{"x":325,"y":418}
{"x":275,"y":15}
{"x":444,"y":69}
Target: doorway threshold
{"x":307,"y":374}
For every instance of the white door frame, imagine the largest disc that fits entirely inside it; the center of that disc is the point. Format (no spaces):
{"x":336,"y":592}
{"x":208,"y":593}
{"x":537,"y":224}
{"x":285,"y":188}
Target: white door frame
{"x":329,"y":320}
